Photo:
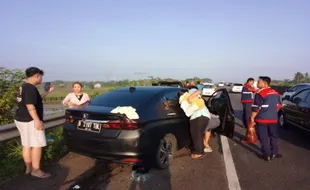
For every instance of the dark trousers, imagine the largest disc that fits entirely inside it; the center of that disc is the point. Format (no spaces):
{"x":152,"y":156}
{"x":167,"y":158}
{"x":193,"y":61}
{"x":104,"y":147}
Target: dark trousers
{"x":268,"y":136}
{"x":247,"y":112}
{"x":197,"y":130}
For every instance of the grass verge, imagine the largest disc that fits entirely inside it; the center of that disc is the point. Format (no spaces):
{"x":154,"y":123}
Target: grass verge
{"x":11,"y":162}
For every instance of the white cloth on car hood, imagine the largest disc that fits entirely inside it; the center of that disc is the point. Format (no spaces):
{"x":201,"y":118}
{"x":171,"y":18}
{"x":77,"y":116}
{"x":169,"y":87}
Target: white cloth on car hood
{"x":129,"y":111}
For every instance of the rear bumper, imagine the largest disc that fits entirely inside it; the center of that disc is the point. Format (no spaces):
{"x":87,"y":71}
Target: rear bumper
{"x":127,"y":147}
{"x":208,"y":93}
{"x":237,"y":91}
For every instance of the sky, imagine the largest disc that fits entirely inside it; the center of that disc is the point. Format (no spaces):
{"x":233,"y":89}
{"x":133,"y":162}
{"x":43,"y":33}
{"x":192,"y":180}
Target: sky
{"x":225,"y":40}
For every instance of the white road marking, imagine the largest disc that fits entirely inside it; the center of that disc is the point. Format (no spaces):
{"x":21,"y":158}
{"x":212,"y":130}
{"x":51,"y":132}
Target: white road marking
{"x":232,"y":177}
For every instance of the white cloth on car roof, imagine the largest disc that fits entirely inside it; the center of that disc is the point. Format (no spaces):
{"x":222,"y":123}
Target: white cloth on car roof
{"x":129,"y":111}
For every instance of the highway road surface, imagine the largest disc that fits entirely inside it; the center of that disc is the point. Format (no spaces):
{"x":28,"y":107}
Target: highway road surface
{"x":231,"y":166}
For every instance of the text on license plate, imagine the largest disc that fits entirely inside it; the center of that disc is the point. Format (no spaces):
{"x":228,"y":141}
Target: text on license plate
{"x":89,"y":126}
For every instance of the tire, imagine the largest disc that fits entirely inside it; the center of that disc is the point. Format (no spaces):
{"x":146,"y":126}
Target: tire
{"x":281,"y":121}
{"x":165,"y":151}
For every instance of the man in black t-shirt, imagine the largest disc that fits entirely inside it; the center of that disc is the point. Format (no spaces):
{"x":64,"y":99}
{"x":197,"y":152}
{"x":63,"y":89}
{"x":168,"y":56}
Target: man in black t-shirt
{"x":29,"y":121}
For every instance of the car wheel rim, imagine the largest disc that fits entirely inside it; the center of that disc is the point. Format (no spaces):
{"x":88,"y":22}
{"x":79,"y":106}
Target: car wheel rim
{"x":165,"y":154}
{"x":281,"y":120}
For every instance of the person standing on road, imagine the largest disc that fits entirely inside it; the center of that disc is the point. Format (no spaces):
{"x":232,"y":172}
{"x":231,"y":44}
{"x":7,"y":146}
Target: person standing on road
{"x":265,"y":114}
{"x":247,"y":100}
{"x":77,"y":97}
{"x":29,"y":122}
{"x":199,"y":121}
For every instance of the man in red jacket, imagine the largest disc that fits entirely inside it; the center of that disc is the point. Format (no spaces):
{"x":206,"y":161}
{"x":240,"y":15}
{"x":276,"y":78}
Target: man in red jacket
{"x":247,"y":97}
{"x":265,"y":114}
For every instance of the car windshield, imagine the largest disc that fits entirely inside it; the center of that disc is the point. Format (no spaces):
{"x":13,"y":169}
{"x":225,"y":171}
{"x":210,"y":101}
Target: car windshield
{"x":122,"y":98}
{"x":208,"y":86}
{"x":169,"y":84}
{"x":237,"y":84}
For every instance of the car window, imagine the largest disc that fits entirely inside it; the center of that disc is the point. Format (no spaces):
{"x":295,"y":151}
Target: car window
{"x":301,"y":96}
{"x":238,"y":84}
{"x":300,"y":87}
{"x":122,"y":98}
{"x":170,"y":104}
{"x":292,"y":89}
{"x":308,"y":98}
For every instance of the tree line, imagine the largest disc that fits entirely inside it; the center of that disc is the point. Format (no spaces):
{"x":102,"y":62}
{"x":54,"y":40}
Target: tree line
{"x":11,"y":80}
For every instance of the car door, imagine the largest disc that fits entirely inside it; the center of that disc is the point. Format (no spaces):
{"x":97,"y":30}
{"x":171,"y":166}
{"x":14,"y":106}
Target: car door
{"x":220,"y":104}
{"x":176,"y":116}
{"x":292,"y":112}
{"x":303,"y":111}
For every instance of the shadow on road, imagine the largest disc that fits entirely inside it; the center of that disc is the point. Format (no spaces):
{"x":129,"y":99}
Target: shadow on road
{"x":295,"y":136}
{"x":95,"y":176}
{"x":23,"y":182}
{"x":154,"y":179}
{"x":251,"y":147}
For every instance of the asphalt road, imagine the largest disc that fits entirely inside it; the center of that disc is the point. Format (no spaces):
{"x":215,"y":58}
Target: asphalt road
{"x":290,"y":172}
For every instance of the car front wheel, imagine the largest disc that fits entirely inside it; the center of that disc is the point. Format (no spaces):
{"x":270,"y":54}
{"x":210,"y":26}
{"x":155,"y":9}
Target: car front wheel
{"x":281,"y":119}
{"x":165,"y":152}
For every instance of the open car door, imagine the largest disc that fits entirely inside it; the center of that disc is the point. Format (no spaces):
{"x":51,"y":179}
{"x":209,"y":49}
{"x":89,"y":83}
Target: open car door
{"x":219,"y":104}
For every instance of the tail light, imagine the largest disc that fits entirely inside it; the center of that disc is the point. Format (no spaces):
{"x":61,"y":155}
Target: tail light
{"x":69,"y":119}
{"x":122,"y":123}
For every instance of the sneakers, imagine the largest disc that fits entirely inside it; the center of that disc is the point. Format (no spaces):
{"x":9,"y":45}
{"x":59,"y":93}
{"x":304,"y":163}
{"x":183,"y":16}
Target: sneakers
{"x":207,"y":150}
{"x":277,"y":156}
{"x":269,"y":158}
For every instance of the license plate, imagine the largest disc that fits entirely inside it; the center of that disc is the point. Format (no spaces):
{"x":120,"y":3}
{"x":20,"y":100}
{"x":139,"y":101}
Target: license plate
{"x":89,"y":126}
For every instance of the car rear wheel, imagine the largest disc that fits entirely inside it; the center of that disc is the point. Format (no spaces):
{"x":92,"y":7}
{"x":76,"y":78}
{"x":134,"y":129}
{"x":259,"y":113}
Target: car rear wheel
{"x":165,"y":152}
{"x":282,"y":122}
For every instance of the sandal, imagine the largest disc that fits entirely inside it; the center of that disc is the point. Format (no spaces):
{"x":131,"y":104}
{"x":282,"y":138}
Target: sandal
{"x":199,"y":157}
{"x":43,"y":176}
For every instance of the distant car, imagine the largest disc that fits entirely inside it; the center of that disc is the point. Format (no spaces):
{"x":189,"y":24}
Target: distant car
{"x":221,"y":84}
{"x":162,"y":127}
{"x":290,"y":91}
{"x":169,"y":83}
{"x":236,"y":88}
{"x":296,"y":110}
{"x":208,"y":89}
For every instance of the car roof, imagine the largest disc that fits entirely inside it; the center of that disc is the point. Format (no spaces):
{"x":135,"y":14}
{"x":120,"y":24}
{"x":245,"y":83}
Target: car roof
{"x":303,"y":84}
{"x":150,"y":89}
{"x":207,"y":83}
{"x":169,"y":81}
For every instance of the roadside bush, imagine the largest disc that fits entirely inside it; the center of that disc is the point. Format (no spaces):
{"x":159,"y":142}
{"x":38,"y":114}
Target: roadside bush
{"x":10,"y":81}
{"x":11,"y":162}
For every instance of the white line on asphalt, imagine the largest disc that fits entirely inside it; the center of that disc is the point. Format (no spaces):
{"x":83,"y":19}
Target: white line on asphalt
{"x":232,"y":177}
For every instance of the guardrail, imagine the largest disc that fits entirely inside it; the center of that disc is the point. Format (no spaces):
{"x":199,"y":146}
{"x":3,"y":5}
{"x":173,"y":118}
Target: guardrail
{"x":10,"y":131}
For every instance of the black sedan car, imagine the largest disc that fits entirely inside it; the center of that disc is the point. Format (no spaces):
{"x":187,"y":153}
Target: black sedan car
{"x":296,"y":110}
{"x":162,"y":127}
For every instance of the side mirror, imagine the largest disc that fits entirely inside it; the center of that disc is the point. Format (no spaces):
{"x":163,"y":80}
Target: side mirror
{"x":287,"y":97}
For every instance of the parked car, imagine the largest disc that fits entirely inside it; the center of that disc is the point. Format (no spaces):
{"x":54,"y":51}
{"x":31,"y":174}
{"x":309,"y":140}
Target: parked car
{"x":236,"y":88}
{"x":162,"y":127}
{"x":290,"y":91}
{"x":296,"y":110}
{"x":169,"y":83}
{"x":220,"y":84}
{"x":208,"y":89}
